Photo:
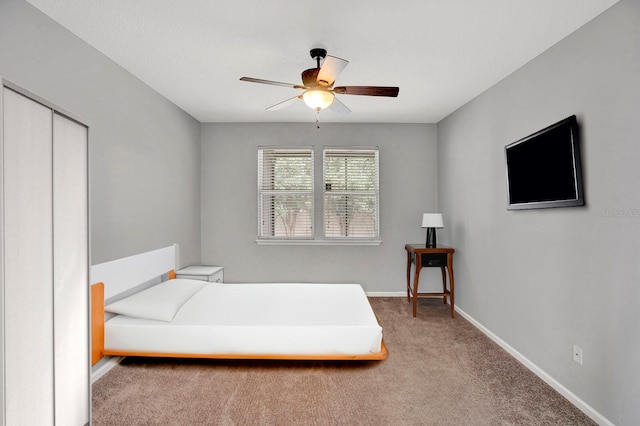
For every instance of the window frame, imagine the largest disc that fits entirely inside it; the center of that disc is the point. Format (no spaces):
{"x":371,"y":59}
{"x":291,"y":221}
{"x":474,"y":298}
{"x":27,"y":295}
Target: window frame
{"x":261,"y":192}
{"x":317,"y":210}
{"x":349,"y":152}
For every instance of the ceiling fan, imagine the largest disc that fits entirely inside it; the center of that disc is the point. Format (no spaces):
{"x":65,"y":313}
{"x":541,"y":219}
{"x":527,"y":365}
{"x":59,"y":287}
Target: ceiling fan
{"x":317,"y":84}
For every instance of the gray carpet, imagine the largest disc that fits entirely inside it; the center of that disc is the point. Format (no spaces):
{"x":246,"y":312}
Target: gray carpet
{"x":440,"y":371}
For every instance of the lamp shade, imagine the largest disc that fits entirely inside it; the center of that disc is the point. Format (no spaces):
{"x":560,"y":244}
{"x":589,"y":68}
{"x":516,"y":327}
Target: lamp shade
{"x":318,"y":99}
{"x":432,"y":220}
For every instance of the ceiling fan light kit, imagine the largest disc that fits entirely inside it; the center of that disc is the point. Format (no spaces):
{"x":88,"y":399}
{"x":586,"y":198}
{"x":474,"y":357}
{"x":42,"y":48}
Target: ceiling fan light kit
{"x":318,"y":99}
{"x":317,"y":84}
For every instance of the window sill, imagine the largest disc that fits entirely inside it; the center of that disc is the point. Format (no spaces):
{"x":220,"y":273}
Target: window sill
{"x":318,"y":242}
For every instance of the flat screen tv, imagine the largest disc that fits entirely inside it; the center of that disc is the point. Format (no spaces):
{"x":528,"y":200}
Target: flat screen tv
{"x":544,"y":169}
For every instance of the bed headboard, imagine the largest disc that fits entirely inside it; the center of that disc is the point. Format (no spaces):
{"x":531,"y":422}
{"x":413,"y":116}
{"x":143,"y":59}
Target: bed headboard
{"x":122,"y":275}
{"x":119,"y":277}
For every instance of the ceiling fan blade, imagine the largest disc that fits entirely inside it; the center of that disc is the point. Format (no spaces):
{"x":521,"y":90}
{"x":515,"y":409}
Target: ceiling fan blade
{"x":330,"y":69}
{"x":273,"y":83}
{"x":283,"y":104}
{"x":338,"y":107}
{"x":367,"y":90}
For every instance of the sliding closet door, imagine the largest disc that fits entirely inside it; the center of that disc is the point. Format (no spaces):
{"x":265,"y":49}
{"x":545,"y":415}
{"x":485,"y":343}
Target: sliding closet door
{"x":28,"y":261}
{"x":44,"y":265}
{"x":70,"y":271}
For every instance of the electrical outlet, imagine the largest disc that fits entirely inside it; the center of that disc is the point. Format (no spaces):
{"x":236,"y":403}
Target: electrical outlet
{"x":577,"y":354}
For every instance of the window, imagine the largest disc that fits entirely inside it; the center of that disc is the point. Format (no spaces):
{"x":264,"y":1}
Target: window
{"x":351,"y":193}
{"x":349,"y":198}
{"x":285,"y":193}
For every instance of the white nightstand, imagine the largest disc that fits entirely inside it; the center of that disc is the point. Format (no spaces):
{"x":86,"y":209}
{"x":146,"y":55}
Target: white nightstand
{"x":213,"y":274}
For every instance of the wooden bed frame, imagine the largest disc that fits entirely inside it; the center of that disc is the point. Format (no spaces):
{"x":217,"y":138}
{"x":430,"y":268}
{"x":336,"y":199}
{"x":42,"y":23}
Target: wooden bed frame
{"x":98,"y":351}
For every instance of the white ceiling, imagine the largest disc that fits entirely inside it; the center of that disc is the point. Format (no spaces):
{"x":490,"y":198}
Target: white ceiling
{"x":441,"y":53}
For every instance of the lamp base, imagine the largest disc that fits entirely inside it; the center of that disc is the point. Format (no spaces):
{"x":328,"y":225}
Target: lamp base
{"x":431,"y":238}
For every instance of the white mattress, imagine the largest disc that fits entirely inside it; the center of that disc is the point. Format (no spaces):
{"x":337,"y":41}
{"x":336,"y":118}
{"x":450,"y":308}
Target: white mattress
{"x":266,"y":319}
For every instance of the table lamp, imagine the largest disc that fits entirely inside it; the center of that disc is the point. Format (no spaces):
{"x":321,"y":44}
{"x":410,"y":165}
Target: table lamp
{"x":431,"y":221}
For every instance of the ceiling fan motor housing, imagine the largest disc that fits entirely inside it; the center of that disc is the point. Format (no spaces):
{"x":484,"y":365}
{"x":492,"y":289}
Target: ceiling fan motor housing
{"x":310,"y":76}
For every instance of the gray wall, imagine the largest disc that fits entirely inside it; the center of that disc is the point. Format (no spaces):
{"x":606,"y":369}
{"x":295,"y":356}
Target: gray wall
{"x":543,"y":280}
{"x":144,"y":151}
{"x":408,"y":187}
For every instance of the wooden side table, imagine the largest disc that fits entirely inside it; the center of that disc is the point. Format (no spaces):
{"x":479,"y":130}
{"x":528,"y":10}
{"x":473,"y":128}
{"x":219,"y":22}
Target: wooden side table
{"x":425,"y":257}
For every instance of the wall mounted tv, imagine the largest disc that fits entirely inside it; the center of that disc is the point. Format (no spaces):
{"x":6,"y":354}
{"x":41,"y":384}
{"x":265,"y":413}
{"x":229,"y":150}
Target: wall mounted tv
{"x":544,"y":169}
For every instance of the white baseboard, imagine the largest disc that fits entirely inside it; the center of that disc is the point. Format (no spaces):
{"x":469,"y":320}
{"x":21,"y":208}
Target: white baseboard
{"x":104,"y":366}
{"x":386,"y":293}
{"x":562,"y":390}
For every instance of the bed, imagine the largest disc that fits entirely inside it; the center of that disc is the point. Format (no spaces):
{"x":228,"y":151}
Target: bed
{"x":196,"y":319}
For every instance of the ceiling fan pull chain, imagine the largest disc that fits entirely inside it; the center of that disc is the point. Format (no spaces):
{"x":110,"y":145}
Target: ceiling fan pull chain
{"x":318,"y":118}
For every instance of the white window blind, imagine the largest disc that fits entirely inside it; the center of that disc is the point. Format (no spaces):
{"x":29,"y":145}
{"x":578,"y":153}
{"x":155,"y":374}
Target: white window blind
{"x":285,"y":193}
{"x":351,"y":193}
